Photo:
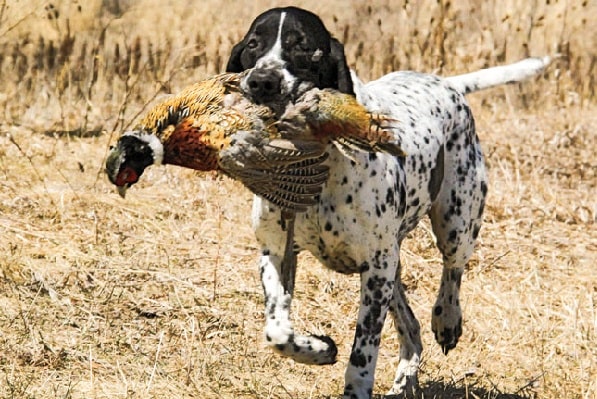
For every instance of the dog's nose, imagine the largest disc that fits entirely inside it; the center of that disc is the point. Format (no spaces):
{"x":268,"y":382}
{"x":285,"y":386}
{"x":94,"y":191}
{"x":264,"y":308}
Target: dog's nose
{"x":264,"y":84}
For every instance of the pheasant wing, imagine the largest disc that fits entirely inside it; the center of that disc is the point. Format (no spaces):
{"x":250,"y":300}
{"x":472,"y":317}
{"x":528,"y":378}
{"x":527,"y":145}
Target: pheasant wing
{"x":290,"y":174}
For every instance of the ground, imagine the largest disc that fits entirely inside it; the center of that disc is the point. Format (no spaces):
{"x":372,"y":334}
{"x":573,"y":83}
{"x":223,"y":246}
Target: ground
{"x":158,"y":295}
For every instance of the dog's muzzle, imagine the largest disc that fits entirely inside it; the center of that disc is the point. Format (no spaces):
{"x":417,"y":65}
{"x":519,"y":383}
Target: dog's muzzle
{"x":263,"y":85}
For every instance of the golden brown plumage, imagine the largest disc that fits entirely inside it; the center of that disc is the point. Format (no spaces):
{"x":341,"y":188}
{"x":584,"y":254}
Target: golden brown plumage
{"x":211,"y":126}
{"x":198,"y":122}
{"x":330,"y":115}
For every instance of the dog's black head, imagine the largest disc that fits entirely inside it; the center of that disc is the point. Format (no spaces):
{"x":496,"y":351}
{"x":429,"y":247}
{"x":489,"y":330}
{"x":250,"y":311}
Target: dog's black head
{"x":291,"y":51}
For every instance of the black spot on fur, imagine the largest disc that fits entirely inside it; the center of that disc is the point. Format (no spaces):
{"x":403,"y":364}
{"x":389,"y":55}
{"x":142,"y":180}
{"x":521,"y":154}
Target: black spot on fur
{"x":358,"y":359}
{"x":476,"y":230}
{"x":390,"y":196}
{"x":437,"y":176}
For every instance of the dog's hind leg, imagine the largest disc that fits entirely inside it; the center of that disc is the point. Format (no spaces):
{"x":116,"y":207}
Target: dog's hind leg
{"x":409,"y":335}
{"x":456,"y":219}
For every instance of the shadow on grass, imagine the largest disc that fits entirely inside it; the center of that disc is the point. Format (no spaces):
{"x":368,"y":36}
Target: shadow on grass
{"x":461,"y":390}
{"x":79,"y":132}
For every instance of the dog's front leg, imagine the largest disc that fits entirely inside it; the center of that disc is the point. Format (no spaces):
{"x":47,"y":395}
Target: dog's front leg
{"x":279,"y":332}
{"x":277,"y":266}
{"x":377,"y":285}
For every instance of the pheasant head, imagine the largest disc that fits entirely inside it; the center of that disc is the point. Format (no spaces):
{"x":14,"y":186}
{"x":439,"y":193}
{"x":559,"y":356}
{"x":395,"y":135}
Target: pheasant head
{"x":127,"y":160}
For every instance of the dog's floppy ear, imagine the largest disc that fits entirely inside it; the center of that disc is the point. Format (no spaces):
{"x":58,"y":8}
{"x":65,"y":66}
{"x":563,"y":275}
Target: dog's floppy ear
{"x":234,"y":63}
{"x":342,"y":70}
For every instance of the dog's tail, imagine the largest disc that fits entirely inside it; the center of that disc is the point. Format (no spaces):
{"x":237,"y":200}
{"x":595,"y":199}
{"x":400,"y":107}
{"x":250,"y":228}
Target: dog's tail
{"x":490,"y":77}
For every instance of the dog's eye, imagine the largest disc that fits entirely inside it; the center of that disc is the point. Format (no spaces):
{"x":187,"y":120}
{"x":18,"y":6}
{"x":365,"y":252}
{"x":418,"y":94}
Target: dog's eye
{"x":299,"y":44}
{"x":304,"y":47}
{"x":252,"y":44}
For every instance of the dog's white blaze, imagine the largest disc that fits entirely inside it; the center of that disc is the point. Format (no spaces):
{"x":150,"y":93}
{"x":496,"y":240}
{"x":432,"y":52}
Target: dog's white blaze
{"x":277,"y":48}
{"x":275,"y":53}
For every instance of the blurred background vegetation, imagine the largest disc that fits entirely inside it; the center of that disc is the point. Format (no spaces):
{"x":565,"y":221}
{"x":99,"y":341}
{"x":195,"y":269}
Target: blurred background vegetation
{"x":87,"y":66}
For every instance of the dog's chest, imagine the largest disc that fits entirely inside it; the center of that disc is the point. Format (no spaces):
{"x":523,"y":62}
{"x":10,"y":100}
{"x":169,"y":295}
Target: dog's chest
{"x":362,"y":209}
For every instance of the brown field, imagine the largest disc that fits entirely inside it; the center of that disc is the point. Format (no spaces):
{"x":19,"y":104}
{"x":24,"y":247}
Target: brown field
{"x":159,"y":296}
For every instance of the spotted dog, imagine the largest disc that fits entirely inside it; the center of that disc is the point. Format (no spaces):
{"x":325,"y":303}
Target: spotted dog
{"x":373,"y":200}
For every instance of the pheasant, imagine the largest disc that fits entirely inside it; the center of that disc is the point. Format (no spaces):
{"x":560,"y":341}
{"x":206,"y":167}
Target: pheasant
{"x":211,"y":126}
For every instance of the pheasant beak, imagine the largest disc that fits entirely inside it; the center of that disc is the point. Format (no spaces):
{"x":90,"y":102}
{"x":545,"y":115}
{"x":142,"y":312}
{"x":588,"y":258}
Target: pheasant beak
{"x":114,"y":163}
{"x":114,"y":169}
{"x":122,"y":190}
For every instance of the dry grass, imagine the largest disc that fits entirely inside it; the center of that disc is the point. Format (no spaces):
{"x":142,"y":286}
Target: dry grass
{"x":159,"y":295}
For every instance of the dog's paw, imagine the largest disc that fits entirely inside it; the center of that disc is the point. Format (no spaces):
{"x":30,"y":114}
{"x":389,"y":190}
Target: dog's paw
{"x":310,"y":349}
{"x":446,"y":323}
